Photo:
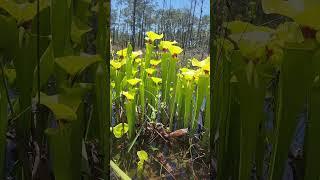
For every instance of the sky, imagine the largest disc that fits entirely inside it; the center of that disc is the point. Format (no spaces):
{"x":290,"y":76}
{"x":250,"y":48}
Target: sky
{"x":177,"y":4}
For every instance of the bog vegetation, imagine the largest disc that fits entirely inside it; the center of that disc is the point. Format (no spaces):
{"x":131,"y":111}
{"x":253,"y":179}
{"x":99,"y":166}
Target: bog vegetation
{"x":160,"y":110}
{"x":265,"y":77}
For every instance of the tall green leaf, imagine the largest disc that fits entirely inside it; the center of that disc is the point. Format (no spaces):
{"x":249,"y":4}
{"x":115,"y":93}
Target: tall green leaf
{"x":60,"y":152}
{"x":202,"y":86}
{"x":61,"y":17}
{"x":188,"y":104}
{"x":46,"y":68}
{"x":9,"y":36}
{"x":3,"y":124}
{"x":25,"y":63}
{"x":131,"y":118}
{"x":295,"y":80}
{"x":221,"y":103}
{"x":251,"y":113}
{"x":103,"y":83}
{"x":103,"y":113}
{"x":311,"y":146}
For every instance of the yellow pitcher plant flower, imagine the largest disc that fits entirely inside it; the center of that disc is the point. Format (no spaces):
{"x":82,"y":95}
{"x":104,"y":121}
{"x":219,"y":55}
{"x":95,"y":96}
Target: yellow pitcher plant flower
{"x":301,"y":13}
{"x":184,"y":70}
{"x":154,"y":62}
{"x":171,"y":47}
{"x":195,"y":62}
{"x":117,"y":64}
{"x":175,"y":50}
{"x":136,"y":54}
{"x":128,"y":95}
{"x":150,"y":71}
{"x":188,"y":74}
{"x":122,"y":53}
{"x":203,"y":65}
{"x":156,"y":80}
{"x":164,"y":45}
{"x":206,"y":68}
{"x":152,"y":36}
{"x":134,"y":81}
{"x":138,"y":60}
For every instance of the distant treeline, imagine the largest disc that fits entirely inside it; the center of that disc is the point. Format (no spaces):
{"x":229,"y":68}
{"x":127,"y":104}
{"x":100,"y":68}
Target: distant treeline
{"x":131,"y":19}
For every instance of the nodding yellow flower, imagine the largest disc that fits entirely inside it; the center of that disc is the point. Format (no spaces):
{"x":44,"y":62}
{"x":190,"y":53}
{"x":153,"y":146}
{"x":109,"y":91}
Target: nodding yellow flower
{"x":113,"y":84}
{"x":204,"y":65}
{"x":122,"y":53}
{"x":180,"y":75}
{"x":136,"y":54}
{"x":137,"y":60}
{"x":207,"y":59}
{"x":128,"y":95}
{"x":189,"y":74}
{"x":150,"y":71}
{"x":175,"y":50}
{"x":197,"y":74}
{"x":155,"y":62}
{"x":184,"y":70}
{"x":164,"y":45}
{"x":171,"y":47}
{"x":115,"y":64}
{"x":134,"y":81}
{"x":206,"y":68}
{"x":152,"y":36}
{"x":195,"y":62}
{"x":156,"y":80}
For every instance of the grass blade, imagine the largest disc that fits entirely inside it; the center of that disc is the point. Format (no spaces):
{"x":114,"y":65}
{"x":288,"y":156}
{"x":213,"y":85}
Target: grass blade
{"x":118,"y":171}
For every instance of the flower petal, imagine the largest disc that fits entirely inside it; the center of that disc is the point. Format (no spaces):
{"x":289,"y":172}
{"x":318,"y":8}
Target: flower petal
{"x":154,"y":36}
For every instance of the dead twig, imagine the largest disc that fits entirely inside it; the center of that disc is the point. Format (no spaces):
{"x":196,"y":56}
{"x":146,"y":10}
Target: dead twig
{"x":162,"y":165}
{"x":36,"y":160}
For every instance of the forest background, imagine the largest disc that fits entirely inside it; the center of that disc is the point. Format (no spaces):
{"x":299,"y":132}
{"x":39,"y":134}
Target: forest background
{"x":187,"y":22}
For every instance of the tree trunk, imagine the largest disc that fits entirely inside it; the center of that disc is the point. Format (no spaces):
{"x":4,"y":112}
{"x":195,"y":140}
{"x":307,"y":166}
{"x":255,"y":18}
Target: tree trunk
{"x":199,"y":25}
{"x":192,"y":22}
{"x":133,"y":24}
